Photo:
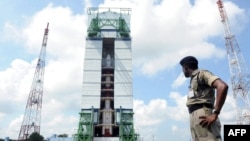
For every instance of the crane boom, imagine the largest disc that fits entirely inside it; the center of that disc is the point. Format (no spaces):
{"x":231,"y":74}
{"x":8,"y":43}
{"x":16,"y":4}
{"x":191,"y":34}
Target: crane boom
{"x":240,"y":76}
{"x":32,"y":116}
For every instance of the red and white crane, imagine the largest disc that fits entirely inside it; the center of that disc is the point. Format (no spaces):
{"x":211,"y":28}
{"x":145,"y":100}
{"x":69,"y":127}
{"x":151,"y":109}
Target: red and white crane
{"x":32,"y":116}
{"x":239,"y":73}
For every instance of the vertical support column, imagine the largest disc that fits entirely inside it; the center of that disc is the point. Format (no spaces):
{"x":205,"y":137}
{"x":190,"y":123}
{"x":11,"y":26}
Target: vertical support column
{"x":127,"y":132}
{"x":85,"y":126}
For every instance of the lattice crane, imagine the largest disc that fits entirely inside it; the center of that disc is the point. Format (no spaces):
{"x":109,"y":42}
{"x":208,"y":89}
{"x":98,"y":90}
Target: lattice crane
{"x":32,"y":116}
{"x":239,"y":73}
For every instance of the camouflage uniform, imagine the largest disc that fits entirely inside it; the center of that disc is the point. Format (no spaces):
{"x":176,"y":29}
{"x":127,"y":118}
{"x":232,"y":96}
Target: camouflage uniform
{"x":200,"y":102}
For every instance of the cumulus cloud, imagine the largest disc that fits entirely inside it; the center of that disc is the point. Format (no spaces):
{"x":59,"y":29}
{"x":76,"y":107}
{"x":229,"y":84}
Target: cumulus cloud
{"x":14,"y":80}
{"x":150,"y":117}
{"x":63,"y":71}
{"x":173,"y":30}
{"x":152,"y":114}
{"x":11,"y":33}
{"x":179,"y":81}
{"x":162,"y":33}
{"x":14,"y":127}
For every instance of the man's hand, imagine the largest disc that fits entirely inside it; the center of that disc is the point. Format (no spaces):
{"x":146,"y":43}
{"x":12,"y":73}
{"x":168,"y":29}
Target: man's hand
{"x":208,"y":120}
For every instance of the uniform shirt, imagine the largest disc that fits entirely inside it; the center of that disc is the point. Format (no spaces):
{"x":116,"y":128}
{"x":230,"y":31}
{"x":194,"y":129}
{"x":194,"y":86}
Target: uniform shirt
{"x":200,"y":89}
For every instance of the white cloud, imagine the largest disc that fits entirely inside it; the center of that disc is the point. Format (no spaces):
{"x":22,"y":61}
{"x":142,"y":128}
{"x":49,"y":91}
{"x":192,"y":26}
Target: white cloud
{"x":161,"y":34}
{"x":66,"y":32}
{"x":1,"y":116}
{"x":14,"y":127}
{"x":16,"y":80}
{"x":150,"y":118}
{"x":180,"y":101}
{"x":181,"y":79}
{"x":11,"y":33}
{"x":171,"y":33}
{"x":172,"y":29}
{"x":63,"y":71}
{"x":152,"y":114}
{"x":174,"y":128}
{"x":60,"y":124}
{"x":237,"y":17}
{"x":228,"y":112}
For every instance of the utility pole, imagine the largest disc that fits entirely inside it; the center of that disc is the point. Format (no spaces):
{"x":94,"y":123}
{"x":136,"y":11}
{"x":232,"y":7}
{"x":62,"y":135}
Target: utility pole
{"x":32,"y":116}
{"x":239,"y":73}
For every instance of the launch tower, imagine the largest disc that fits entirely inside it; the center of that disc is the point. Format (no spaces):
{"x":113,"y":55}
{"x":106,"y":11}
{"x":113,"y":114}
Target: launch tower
{"x":107,"y":99}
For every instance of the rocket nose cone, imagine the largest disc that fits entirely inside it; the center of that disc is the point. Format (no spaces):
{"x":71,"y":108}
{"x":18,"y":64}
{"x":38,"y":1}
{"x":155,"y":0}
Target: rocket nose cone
{"x":108,"y":57}
{"x":108,"y":61}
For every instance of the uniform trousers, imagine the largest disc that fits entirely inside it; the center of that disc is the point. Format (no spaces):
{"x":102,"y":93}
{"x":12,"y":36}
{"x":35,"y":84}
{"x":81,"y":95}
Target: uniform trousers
{"x":199,"y":133}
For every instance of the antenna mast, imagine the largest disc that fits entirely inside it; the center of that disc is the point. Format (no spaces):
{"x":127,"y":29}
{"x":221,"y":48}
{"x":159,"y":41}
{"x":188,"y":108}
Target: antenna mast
{"x":239,"y":73}
{"x":32,"y":116}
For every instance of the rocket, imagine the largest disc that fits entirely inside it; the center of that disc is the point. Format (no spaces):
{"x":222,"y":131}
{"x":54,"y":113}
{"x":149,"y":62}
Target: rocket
{"x":108,"y":61}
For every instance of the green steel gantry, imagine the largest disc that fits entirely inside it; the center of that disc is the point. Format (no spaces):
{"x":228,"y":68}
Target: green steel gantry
{"x":124,"y":121}
{"x":85,"y":126}
{"x":126,"y":127}
{"x":119,"y":24}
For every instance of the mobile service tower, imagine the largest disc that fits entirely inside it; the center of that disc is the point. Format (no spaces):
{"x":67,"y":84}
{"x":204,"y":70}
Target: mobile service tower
{"x":107,"y":99}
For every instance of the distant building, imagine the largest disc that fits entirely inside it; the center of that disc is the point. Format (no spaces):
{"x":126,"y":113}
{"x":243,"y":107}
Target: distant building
{"x":6,"y":139}
{"x":56,"y":138}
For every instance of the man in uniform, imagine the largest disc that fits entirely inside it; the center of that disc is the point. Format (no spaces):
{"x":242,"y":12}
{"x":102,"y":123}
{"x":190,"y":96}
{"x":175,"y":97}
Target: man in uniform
{"x":203,"y":107}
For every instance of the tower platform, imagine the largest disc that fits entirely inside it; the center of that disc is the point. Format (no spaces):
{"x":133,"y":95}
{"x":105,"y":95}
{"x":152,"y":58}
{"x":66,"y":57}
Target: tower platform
{"x":106,"y":139}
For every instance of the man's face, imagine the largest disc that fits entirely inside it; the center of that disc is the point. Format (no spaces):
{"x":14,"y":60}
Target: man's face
{"x":185,"y":71}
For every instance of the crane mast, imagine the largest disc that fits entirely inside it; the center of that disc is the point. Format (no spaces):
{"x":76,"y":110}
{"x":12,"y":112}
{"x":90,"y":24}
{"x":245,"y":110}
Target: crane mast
{"x":239,"y":73}
{"x":32,"y":116}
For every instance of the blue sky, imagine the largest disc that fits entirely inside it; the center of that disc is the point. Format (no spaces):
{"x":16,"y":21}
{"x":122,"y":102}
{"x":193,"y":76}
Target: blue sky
{"x":163,"y":31}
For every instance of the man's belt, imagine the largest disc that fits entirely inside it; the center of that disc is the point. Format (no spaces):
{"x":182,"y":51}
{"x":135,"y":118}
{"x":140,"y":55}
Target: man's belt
{"x":199,"y":106}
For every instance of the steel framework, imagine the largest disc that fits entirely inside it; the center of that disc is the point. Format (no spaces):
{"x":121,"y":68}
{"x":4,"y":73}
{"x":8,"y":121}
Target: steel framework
{"x":32,"y":116}
{"x":118,"y":23}
{"x":127,"y":132}
{"x":239,"y":73}
{"x":85,"y":126}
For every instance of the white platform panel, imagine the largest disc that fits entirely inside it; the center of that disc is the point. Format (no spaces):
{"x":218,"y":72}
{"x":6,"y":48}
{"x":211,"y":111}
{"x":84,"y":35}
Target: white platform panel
{"x":93,"y":53}
{"x":123,"y":89}
{"x":89,"y":100}
{"x":123,"y":53}
{"x":123,"y":64}
{"x":92,"y":76}
{"x":123,"y":44}
{"x":124,"y":101}
{"x":93,"y":44}
{"x":109,"y":34}
{"x":123,"y":76}
{"x":106,"y":139}
{"x":88,"y":86}
{"x":92,"y":64}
